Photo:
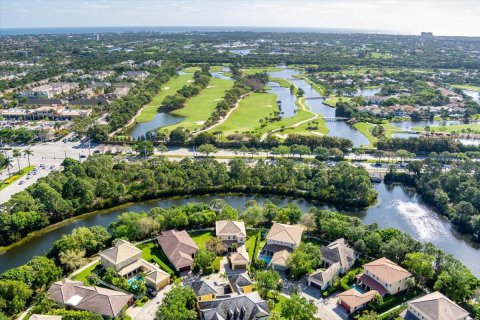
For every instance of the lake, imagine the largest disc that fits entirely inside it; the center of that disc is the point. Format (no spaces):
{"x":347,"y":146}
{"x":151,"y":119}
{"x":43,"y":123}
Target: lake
{"x":161,"y":119}
{"x":474,"y":94}
{"x":398,"y":206}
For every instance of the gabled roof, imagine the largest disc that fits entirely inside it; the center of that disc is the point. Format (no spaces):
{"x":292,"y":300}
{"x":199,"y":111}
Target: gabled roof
{"x":324,"y":276}
{"x":339,"y":251}
{"x":123,"y":250}
{"x":280,"y":258}
{"x":240,"y":256}
{"x":354,"y":298}
{"x":229,"y":228}
{"x":246,"y":307}
{"x":438,"y":307}
{"x":178,"y":246}
{"x":203,"y":287}
{"x":285,"y":233}
{"x":95,"y":299}
{"x":239,"y":280}
{"x":386,"y":270}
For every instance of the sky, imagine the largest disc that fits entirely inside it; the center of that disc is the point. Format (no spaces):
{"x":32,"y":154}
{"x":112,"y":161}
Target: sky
{"x":442,"y":17}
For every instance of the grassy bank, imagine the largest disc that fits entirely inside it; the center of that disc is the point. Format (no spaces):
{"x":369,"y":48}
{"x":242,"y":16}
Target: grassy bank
{"x":320,"y":90}
{"x":365,"y":127}
{"x":169,"y":88}
{"x":283,"y":82}
{"x":260,"y":69}
{"x":250,"y":110}
{"x":466,"y":87}
{"x":16,"y":176}
{"x":453,"y":128}
{"x":200,"y":108}
{"x":332,"y":100}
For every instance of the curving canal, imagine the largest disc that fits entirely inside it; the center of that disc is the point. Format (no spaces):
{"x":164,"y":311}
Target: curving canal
{"x":399,"y":207}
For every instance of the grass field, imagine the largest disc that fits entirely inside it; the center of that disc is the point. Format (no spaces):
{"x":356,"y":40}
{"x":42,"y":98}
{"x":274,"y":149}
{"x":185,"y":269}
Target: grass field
{"x":153,"y":253}
{"x":262,"y":69}
{"x":250,"y":110}
{"x":332,"y":100}
{"x":320,"y":90}
{"x":212,"y":69}
{"x":169,"y":88}
{"x":379,"y":55}
{"x":82,"y":276}
{"x":201,"y":237}
{"x":283,"y":82}
{"x":456,"y":128}
{"x":303,"y":113}
{"x":16,"y":176}
{"x":365,"y":127}
{"x":200,"y":108}
{"x":466,"y":87}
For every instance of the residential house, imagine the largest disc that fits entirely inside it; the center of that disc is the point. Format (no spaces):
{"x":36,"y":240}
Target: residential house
{"x":339,"y":252}
{"x":134,"y":75}
{"x":281,"y":240}
{"x":240,"y":283}
{"x":246,"y":307}
{"x":74,"y":294}
{"x":231,"y":232}
{"x":204,"y":290}
{"x":239,"y":259}
{"x":434,"y":306}
{"x":324,"y":278}
{"x":179,"y":248}
{"x":383,"y":276}
{"x":353,"y":300}
{"x":126,"y":259}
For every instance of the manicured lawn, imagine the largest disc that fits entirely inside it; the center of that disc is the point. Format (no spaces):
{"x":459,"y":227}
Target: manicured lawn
{"x":365,"y":127}
{"x":199,"y":108}
{"x":332,"y":100}
{"x":261,"y":69}
{"x":201,"y":237}
{"x":16,"y":176}
{"x":303,"y":113}
{"x":82,"y":276}
{"x":250,"y":110}
{"x":456,"y":128}
{"x":379,"y":55}
{"x":212,"y":69}
{"x":250,"y":244}
{"x":466,"y":87}
{"x":320,"y":90}
{"x":283,"y":82}
{"x":169,"y":88}
{"x":153,"y":253}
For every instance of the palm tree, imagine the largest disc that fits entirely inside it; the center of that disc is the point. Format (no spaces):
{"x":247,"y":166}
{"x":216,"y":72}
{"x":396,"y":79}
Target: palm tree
{"x":7,"y":162}
{"x":28,"y":153}
{"x":17,"y":154}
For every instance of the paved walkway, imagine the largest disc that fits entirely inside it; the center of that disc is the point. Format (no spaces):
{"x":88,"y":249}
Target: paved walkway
{"x":149,"y":309}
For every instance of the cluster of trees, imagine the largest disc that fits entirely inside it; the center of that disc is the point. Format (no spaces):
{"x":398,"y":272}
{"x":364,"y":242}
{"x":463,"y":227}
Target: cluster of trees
{"x":201,"y":79}
{"x":178,"y":304}
{"x":122,"y":110}
{"x":21,"y":135}
{"x":425,"y":144}
{"x":430,"y":266}
{"x":100,"y":183}
{"x":454,"y":192}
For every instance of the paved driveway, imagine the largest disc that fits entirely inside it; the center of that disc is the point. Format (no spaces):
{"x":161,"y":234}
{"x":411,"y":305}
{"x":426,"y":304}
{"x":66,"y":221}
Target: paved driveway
{"x":147,"y":312}
{"x":327,"y":308}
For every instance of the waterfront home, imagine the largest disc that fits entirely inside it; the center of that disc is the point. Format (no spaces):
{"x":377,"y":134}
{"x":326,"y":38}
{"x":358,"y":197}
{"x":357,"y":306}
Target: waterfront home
{"x":434,"y":306}
{"x":232,"y":233}
{"x":127,"y":260}
{"x":339,"y":252}
{"x":74,"y":294}
{"x":383,"y":276}
{"x":353,"y":300}
{"x":246,"y":307}
{"x":281,"y":240}
{"x":179,"y":248}
{"x":240,"y":283}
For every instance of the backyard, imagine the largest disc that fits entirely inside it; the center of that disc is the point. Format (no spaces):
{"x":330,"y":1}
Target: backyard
{"x":153,"y":253}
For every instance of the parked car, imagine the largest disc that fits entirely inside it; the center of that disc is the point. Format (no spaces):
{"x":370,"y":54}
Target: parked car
{"x":21,"y":182}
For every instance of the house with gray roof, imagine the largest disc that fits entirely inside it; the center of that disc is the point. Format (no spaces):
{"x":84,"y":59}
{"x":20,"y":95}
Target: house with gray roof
{"x":434,"y":306}
{"x":74,"y":294}
{"x":339,"y":252}
{"x":243,"y":307}
{"x":240,"y":283}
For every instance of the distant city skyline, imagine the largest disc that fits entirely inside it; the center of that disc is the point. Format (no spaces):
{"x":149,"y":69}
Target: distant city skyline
{"x":442,"y":17}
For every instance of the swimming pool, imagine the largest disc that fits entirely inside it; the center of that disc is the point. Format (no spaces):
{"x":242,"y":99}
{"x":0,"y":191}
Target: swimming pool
{"x":265,"y":258}
{"x":136,"y":278}
{"x":359,"y":289}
